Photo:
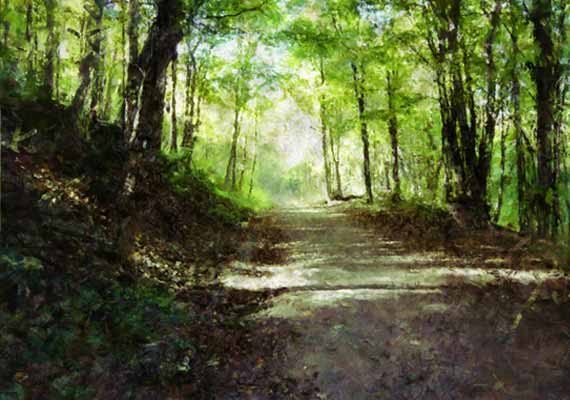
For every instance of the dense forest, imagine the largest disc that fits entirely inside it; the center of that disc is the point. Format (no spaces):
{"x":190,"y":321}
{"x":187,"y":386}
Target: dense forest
{"x":141,"y":140}
{"x":446,"y":101}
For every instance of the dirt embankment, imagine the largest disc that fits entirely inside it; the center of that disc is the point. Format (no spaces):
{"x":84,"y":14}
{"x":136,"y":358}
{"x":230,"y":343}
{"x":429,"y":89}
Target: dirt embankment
{"x":423,"y":227}
{"x":79,"y":321}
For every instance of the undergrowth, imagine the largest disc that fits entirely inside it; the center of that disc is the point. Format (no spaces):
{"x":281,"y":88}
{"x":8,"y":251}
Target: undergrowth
{"x":232,"y":207}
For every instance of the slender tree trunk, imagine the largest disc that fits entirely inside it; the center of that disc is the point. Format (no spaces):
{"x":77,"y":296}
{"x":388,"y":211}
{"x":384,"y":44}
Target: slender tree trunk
{"x":98,"y":66}
{"x":523,"y":212}
{"x":49,"y":65}
{"x":393,"y":129}
{"x":230,"y":180}
{"x":174,"y":118}
{"x":502,"y":179}
{"x":324,"y":133}
{"x":244,"y":156}
{"x":58,"y":63}
{"x":192,"y":119}
{"x":29,"y":38}
{"x":358,"y":77}
{"x":254,"y":162}
{"x":486,"y":143}
{"x":335,"y":153}
{"x":109,"y":86}
{"x":134,"y":73}
{"x":387,"y":176}
{"x":6,"y":25}
{"x":124,"y":61}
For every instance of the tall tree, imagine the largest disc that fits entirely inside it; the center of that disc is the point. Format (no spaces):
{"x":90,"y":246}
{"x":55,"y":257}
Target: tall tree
{"x":174,"y":117}
{"x":547,"y":73}
{"x":515,"y":16}
{"x":393,"y":130}
{"x":359,"y":92}
{"x":49,"y":65}
{"x":134,"y":76}
{"x":158,"y":51}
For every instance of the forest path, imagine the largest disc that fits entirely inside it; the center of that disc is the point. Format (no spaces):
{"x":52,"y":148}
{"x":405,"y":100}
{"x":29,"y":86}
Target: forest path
{"x":375,"y":321}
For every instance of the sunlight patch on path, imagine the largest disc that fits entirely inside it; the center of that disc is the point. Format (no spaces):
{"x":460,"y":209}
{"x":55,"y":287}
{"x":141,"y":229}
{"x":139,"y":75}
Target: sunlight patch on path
{"x":317,"y":274}
{"x":303,"y":304}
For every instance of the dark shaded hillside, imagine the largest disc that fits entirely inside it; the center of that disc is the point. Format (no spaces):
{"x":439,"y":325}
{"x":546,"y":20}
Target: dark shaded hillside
{"x":78,"y":320}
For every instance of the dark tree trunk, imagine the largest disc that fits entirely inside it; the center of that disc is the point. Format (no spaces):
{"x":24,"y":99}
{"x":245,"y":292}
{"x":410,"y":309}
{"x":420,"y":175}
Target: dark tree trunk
{"x":192,"y":110}
{"x":358,"y":77}
{"x":141,"y":174}
{"x":98,"y":68}
{"x":230,"y":180}
{"x":174,"y":118}
{"x":49,"y":66}
{"x":523,"y":210}
{"x":134,"y":75}
{"x":502,"y":179}
{"x":393,"y":129}
{"x":85,"y":67}
{"x":157,"y":53}
{"x":124,"y":62}
{"x":458,"y":114}
{"x":486,"y":142}
{"x":31,"y":38}
{"x":546,"y":77}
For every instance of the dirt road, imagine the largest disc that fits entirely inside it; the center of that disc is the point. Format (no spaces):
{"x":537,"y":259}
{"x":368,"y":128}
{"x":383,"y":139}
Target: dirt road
{"x":375,"y":321}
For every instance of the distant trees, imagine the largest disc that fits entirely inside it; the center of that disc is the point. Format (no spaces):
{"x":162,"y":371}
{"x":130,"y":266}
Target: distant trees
{"x":406,"y":98}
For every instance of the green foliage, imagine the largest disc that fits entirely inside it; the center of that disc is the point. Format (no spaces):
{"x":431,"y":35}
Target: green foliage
{"x":95,"y":319}
{"x":231,"y":208}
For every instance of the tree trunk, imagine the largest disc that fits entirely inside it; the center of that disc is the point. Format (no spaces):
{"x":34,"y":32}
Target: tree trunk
{"x":98,"y":66}
{"x":244,"y":156}
{"x":358,"y":77}
{"x":254,"y":162}
{"x":29,"y":38}
{"x":192,"y":119}
{"x":387,"y":176}
{"x":124,"y":61}
{"x":174,"y":118}
{"x":324,"y":133}
{"x":393,"y":129}
{"x":109,"y":86}
{"x":6,"y":25}
{"x":502,"y":179}
{"x":85,"y":67}
{"x":458,"y":114}
{"x":157,"y":53}
{"x":486,"y":143}
{"x":142,"y":175}
{"x":49,"y":65}
{"x":523,"y":212}
{"x":134,"y":74}
{"x":546,"y":76}
{"x":336,"y":161}
{"x":230,"y":180}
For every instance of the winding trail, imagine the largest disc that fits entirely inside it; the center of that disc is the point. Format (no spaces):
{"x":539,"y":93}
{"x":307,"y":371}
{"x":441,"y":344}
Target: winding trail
{"x":374,"y":321}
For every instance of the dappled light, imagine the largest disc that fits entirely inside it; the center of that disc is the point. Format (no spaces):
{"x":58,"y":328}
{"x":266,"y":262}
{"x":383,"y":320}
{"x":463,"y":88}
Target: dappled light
{"x":284,"y":199}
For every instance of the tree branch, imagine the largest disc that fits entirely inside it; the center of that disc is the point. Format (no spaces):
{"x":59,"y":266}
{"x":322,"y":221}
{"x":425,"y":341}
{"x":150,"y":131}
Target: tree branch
{"x":238,"y":13}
